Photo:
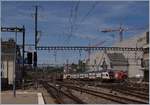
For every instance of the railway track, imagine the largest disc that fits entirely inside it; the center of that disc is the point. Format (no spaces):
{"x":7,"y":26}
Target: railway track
{"x":57,"y":95}
{"x":53,"y":93}
{"x":126,"y":88}
{"x":133,"y":93}
{"x":119,"y":87}
{"x":115,"y":98}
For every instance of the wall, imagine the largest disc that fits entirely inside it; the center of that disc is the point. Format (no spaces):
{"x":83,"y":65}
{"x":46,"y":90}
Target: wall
{"x":123,"y":68}
{"x":8,"y":60}
{"x":134,"y":56}
{"x":9,"y":67}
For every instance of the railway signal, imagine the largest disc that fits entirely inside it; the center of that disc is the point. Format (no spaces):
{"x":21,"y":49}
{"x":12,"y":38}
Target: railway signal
{"x":35,"y":59}
{"x":32,"y":58}
{"x":29,"y":57}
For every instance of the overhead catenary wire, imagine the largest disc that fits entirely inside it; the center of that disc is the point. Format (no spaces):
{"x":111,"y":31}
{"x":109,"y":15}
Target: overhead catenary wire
{"x":73,"y":20}
{"x":90,"y":11}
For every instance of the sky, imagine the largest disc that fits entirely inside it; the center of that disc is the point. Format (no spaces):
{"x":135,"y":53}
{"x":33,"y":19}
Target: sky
{"x":74,"y":23}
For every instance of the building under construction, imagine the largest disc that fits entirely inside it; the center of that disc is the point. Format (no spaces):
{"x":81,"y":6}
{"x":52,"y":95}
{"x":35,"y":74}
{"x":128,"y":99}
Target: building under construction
{"x":135,"y":63}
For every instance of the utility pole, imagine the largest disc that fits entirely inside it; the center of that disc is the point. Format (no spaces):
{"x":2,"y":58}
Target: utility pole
{"x":67,"y":65}
{"x":14,"y":72}
{"x":36,"y":13}
{"x":23,"y":45}
{"x":89,"y":51}
{"x":36,"y":32}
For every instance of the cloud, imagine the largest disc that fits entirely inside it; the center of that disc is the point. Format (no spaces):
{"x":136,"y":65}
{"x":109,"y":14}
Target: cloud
{"x":103,"y":16}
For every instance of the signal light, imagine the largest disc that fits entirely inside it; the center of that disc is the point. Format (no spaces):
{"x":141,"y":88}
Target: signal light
{"x":35,"y":58}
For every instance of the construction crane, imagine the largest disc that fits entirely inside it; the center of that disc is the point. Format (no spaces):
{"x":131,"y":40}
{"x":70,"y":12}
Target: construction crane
{"x":120,"y":30}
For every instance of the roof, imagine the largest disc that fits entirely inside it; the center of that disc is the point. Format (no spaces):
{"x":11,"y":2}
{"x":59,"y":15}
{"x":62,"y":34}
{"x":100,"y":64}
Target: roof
{"x":117,"y":59}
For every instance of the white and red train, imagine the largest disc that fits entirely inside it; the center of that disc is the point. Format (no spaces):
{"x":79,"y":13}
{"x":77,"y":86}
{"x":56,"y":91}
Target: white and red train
{"x":103,"y":75}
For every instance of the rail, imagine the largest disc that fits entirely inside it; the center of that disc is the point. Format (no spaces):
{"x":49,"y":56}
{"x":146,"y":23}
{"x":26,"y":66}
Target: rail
{"x":59,"y":100}
{"x":119,"y":99}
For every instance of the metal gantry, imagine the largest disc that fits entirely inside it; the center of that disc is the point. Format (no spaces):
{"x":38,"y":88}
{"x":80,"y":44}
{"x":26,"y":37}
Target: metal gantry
{"x":86,"y":48}
{"x":12,"y":29}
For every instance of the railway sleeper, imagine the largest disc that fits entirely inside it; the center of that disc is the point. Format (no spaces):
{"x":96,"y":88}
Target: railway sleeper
{"x":74,"y":98}
{"x":125,"y":89}
{"x":129,"y":92}
{"x":115,"y":98}
{"x":58,"y":100}
{"x":133,"y":94}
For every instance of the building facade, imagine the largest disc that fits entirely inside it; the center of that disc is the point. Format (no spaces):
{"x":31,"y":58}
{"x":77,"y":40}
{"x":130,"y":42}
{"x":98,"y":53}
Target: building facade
{"x":143,"y":42}
{"x":132,"y":58}
{"x":9,"y":68}
{"x":104,"y":60}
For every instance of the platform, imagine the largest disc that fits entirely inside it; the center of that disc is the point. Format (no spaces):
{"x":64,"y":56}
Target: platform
{"x":22,"y":97}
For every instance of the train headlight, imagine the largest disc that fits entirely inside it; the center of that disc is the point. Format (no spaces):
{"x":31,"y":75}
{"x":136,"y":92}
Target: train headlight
{"x":116,"y":75}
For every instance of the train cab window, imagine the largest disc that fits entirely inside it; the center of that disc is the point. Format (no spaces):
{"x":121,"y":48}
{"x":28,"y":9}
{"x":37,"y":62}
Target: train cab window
{"x":107,"y":75}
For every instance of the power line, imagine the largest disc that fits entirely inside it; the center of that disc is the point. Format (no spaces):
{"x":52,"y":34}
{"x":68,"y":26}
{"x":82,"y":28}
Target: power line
{"x":73,"y":19}
{"x":89,"y":12}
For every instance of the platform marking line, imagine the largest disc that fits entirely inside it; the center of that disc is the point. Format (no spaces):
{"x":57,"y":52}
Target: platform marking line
{"x":40,"y":99}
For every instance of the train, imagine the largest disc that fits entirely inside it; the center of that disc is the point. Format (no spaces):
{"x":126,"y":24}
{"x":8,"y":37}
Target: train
{"x":103,"y":75}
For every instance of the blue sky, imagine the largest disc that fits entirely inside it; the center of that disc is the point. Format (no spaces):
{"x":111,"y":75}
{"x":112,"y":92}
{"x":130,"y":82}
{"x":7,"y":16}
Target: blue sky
{"x":74,"y":23}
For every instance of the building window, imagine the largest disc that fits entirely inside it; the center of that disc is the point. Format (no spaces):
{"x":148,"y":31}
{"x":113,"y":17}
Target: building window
{"x":2,"y":68}
{"x":142,"y":62}
{"x":147,"y":37}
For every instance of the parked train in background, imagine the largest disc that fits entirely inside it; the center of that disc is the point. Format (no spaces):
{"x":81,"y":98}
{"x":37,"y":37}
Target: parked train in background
{"x":103,"y":75}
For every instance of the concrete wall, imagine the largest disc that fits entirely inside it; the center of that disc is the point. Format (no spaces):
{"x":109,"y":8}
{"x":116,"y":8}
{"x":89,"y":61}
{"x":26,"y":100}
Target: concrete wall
{"x":11,"y":69}
{"x":134,"y":57}
{"x":8,"y":62}
{"x":4,"y":69}
{"x":123,"y":68}
{"x":135,"y":71}
{"x":8,"y":69}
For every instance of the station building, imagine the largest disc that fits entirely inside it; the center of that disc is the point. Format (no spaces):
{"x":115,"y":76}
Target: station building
{"x":10,"y":53}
